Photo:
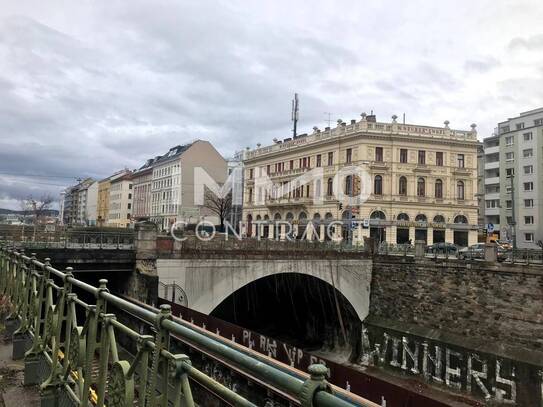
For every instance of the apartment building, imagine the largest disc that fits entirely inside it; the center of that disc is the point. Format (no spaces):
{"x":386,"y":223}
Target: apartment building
{"x":421,"y":183}
{"x":75,"y":205}
{"x":120,"y":201}
{"x":142,"y":191}
{"x":513,"y":169}
{"x":103,"y":197}
{"x":173,"y":183}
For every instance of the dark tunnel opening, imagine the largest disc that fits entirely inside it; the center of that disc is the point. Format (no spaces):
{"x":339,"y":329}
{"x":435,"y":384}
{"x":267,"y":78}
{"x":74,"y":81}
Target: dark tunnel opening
{"x":298,"y":309}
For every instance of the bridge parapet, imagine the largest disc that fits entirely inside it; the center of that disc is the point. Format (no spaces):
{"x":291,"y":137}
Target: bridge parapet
{"x":66,"y":340}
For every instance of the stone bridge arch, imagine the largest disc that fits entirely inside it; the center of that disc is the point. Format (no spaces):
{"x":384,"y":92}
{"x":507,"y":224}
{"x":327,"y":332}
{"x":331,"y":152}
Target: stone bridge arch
{"x":209,"y":282}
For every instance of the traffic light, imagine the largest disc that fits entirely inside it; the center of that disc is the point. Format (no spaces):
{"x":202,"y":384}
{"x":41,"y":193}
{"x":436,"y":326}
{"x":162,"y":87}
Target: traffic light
{"x":340,"y":206}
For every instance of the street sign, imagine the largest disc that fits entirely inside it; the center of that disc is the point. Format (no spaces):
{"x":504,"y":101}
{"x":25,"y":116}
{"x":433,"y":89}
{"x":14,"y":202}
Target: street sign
{"x":366,"y":223}
{"x":490,"y":227}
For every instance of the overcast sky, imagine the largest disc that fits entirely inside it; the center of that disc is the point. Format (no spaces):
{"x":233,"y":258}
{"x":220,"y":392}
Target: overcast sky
{"x":89,"y":87}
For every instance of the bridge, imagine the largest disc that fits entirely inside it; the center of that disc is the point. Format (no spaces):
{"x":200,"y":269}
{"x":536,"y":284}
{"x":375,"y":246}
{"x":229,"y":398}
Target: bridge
{"x":69,"y":335}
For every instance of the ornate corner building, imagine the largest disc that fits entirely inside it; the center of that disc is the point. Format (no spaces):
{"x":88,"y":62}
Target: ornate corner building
{"x":422,"y":184}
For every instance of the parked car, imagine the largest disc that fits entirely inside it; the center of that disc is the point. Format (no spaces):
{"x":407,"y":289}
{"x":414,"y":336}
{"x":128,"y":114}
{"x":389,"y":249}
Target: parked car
{"x":442,"y":247}
{"x":477,"y":251}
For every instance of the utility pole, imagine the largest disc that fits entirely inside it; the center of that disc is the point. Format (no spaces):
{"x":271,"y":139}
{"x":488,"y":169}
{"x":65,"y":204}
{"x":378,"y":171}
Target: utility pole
{"x":295,"y":114}
{"x":513,"y":220}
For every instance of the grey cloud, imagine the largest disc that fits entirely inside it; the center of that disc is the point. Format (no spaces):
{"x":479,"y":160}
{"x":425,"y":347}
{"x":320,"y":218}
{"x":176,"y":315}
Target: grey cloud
{"x":532,"y":43}
{"x":481,"y":65}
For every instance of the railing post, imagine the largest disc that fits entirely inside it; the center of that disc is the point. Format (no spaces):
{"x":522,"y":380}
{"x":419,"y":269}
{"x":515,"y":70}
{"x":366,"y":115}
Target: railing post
{"x":316,"y":382}
{"x":162,"y":341}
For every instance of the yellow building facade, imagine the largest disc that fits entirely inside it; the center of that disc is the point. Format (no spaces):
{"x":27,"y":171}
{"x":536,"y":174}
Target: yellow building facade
{"x":420,"y":181}
{"x":103,"y":201}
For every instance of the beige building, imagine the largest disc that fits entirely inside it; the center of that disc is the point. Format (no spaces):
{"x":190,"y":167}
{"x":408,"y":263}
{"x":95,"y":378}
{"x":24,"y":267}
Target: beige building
{"x":120,"y":201}
{"x":421,"y":183}
{"x":103,"y":197}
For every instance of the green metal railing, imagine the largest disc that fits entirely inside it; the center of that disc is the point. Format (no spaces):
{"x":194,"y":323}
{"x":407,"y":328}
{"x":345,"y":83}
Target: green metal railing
{"x":45,"y":303}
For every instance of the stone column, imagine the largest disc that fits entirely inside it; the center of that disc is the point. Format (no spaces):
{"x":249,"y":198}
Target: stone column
{"x":145,"y":240}
{"x":391,"y":234}
{"x":430,"y":236}
{"x":412,"y":234}
{"x":271,"y":227}
{"x":449,"y":235}
{"x":472,"y":237}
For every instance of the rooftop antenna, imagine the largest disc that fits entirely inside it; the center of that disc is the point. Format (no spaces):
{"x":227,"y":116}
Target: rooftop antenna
{"x":404,"y":118}
{"x":295,"y":113}
{"x":329,"y":121}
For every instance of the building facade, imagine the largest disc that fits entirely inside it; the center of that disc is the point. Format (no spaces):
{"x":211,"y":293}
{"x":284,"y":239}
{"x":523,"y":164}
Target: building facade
{"x":103,"y":197}
{"x":420,"y":183}
{"x":173,"y":183}
{"x":120,"y":201}
{"x":513,"y":176}
{"x":74,"y":205}
{"x":142,"y":191}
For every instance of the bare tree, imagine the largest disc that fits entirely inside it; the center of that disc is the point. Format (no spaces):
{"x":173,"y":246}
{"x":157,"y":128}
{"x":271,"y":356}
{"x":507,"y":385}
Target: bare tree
{"x":219,"y":205}
{"x":37,"y":208}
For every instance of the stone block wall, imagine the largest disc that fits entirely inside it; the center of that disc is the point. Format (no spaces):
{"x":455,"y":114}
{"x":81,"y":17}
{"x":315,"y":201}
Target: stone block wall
{"x":492,"y":305}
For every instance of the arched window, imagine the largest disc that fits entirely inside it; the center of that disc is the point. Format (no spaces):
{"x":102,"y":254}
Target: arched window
{"x":403,"y":216}
{"x":277,"y":216}
{"x":378,"y":215}
{"x":258,"y":217}
{"x":460,"y":190}
{"x":421,"y":186}
{"x":290,"y":216}
{"x":439,"y":219}
{"x":330,"y":187}
{"x":402,"y":186}
{"x":421,"y":218}
{"x":266,"y":217}
{"x":317,"y":216}
{"x":439,"y":188}
{"x":378,"y":185}
{"x":460,"y":219}
{"x":302,"y":216}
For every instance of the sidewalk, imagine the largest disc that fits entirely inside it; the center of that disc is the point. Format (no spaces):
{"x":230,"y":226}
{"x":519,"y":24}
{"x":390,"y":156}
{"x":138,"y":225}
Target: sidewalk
{"x":12,"y":392}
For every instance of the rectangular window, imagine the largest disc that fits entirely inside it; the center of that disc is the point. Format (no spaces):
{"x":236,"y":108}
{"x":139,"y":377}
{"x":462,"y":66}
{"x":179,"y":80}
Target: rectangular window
{"x":529,"y":152}
{"x":268,"y":169}
{"x":251,"y":173}
{"x":331,"y":158}
{"x":504,"y":129}
{"x":528,"y":186}
{"x":528,"y":220}
{"x":529,"y":237}
{"x":528,"y":203}
{"x":528,"y":169}
{"x":318,"y":160}
{"x":538,"y":122}
{"x":349,"y":155}
{"x":422,"y":157}
{"x":510,"y":156}
{"x":460,"y":160}
{"x":509,"y":171}
{"x":519,"y":126}
{"x":439,"y":159}
{"x":509,"y":141}
{"x":291,"y":164}
{"x":528,"y":136}
{"x":403,"y":155}
{"x":509,"y":220}
{"x":379,"y":154}
{"x":508,"y":204}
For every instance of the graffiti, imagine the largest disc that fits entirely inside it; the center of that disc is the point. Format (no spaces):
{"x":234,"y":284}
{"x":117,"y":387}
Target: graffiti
{"x":489,"y":376}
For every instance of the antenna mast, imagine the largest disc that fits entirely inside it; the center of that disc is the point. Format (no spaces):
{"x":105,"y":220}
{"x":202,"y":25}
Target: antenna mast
{"x":294,"y":113}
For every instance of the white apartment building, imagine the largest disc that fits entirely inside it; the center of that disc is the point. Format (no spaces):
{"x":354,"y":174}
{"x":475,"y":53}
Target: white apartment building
{"x":120,"y":201}
{"x":172,"y":183}
{"x":512,"y":158}
{"x":92,"y":204}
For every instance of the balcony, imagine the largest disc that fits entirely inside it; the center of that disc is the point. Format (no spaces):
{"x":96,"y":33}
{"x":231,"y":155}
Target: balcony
{"x":492,"y":150}
{"x":286,"y":201}
{"x":492,"y":195}
{"x":492,"y":165}
{"x":492,"y":180}
{"x":378,"y":165}
{"x":492,"y":211}
{"x":462,"y":171}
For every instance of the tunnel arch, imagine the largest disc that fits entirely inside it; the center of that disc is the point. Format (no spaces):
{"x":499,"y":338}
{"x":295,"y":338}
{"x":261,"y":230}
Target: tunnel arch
{"x":301,"y":309}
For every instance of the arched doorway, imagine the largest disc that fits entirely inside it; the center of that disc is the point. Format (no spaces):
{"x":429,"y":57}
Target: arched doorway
{"x":317,"y":225}
{"x":302,"y":224}
{"x":402,"y":228}
{"x":439,"y":229}
{"x":266,"y":227}
{"x":329,"y":231}
{"x":377,"y":226}
{"x":461,"y":231}
{"x":298,"y":309}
